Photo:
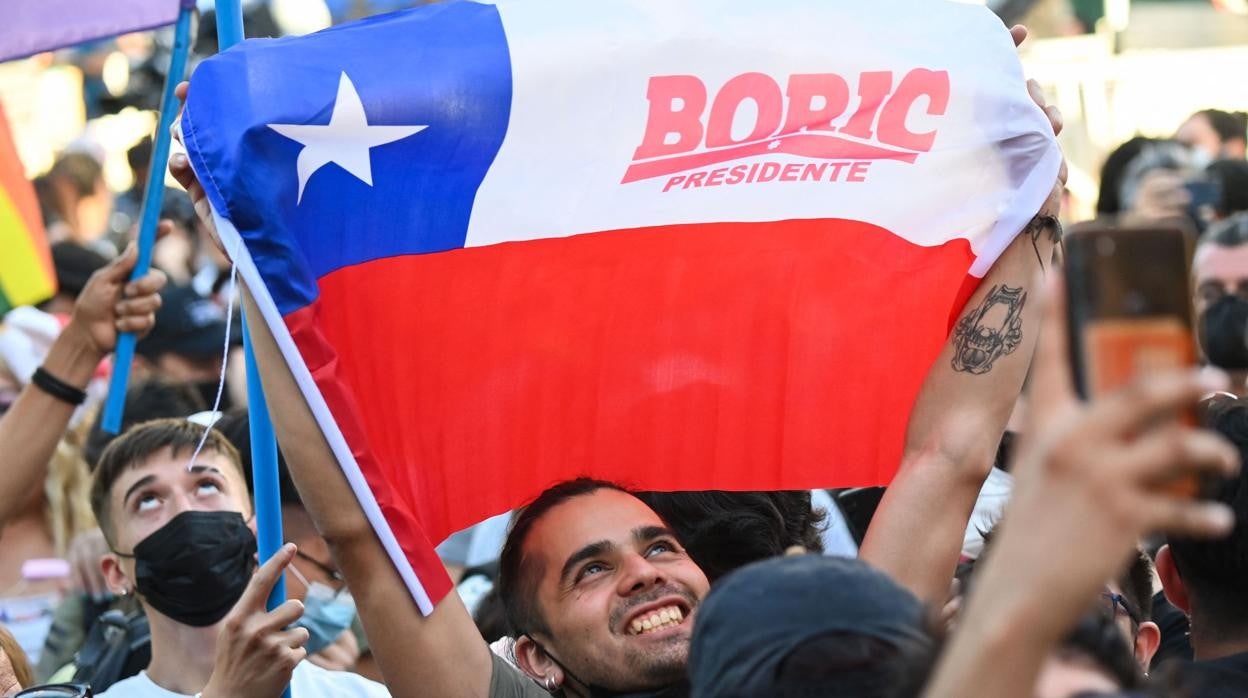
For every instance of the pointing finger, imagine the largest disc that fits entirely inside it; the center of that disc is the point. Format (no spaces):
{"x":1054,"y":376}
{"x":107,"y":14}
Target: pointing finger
{"x":265,"y":578}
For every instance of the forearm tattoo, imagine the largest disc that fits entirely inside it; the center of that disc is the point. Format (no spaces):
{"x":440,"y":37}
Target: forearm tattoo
{"x":992,"y":330}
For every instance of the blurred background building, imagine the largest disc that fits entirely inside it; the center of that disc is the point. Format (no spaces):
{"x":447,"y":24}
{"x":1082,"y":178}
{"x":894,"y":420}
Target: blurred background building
{"x":1116,"y":68}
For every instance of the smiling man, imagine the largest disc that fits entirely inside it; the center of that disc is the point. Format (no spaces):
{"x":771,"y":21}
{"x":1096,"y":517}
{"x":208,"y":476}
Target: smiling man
{"x":599,"y":592}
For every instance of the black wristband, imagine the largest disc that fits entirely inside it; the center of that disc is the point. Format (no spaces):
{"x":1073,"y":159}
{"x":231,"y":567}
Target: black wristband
{"x":57,"y":388}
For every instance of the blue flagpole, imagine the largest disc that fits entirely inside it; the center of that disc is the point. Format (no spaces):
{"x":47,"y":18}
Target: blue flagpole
{"x":263,"y":440}
{"x":153,"y":199}
{"x":267,"y":490}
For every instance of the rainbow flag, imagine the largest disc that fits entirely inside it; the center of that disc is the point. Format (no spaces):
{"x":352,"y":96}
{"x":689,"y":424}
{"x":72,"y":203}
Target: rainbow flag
{"x":26,"y":274}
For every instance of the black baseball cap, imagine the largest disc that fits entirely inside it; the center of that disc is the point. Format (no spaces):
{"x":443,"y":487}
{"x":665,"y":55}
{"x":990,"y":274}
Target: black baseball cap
{"x":74,"y":265}
{"x":754,"y":619}
{"x":188,"y":324}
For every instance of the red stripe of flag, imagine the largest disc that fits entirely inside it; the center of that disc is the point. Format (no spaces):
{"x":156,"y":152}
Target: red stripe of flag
{"x":504,"y":369}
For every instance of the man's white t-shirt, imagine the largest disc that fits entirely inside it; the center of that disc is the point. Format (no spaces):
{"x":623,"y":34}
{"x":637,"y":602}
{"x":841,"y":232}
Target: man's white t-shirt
{"x":309,"y":681}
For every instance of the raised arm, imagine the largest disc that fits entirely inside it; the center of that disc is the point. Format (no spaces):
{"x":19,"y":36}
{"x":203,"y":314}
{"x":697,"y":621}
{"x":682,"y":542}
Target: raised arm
{"x":1087,"y":490}
{"x":962,"y":409}
{"x":439,"y":655}
{"x":958,"y":419}
{"x":36,"y":421}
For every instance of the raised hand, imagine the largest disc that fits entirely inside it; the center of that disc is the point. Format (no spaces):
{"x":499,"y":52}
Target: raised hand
{"x":256,"y":654}
{"x":1090,"y":482}
{"x":110,"y":304}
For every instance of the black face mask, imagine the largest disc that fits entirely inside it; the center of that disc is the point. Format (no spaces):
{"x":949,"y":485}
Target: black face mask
{"x":195,"y":567}
{"x":1222,"y":328}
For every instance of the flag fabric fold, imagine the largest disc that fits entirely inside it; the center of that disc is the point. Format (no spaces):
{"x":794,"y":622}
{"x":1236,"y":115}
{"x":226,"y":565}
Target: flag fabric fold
{"x":697,"y":245}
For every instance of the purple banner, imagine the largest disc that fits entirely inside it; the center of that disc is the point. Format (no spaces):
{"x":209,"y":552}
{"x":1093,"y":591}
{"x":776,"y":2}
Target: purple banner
{"x":33,"y":26}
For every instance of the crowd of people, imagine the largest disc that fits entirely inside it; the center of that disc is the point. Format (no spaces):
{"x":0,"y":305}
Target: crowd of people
{"x":1029,"y":544}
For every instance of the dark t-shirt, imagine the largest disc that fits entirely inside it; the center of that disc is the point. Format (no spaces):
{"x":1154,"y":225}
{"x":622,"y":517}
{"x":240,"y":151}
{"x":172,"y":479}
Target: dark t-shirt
{"x":1217,"y":678}
{"x":1175,"y":643}
{"x":506,"y":681}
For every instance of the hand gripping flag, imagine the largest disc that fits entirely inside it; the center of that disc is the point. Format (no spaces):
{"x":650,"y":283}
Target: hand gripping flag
{"x":682,"y":246}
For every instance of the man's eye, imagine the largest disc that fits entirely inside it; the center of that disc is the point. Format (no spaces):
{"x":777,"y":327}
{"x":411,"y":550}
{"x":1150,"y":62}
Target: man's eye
{"x":147,"y":502}
{"x":659,"y":548}
{"x":591,"y":569}
{"x":208,"y":487}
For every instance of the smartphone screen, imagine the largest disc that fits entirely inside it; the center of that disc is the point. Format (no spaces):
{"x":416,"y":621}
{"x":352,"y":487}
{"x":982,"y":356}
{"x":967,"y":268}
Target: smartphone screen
{"x":1129,"y":304}
{"x":1118,"y":349}
{"x":1130,"y":310}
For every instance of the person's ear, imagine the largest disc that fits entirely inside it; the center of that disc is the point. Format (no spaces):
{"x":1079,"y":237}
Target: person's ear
{"x":1171,"y":582}
{"x":1147,"y":640}
{"x":115,"y":576}
{"x":538,"y":665}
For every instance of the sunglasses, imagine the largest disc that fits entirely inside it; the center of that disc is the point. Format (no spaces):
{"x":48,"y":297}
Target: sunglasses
{"x":1118,"y":601}
{"x":57,"y":690}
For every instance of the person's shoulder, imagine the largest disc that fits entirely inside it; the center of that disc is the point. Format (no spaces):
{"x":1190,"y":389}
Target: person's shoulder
{"x":313,"y":681}
{"x":507,"y":681}
{"x":137,"y":686}
{"x":1226,"y":677}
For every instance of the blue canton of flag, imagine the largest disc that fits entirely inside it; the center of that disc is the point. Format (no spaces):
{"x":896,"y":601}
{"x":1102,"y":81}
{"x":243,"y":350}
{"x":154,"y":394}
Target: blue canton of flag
{"x":375,"y":138}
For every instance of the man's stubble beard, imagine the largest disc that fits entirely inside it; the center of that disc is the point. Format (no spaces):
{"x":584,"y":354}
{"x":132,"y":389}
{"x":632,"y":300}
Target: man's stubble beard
{"x":641,"y":670}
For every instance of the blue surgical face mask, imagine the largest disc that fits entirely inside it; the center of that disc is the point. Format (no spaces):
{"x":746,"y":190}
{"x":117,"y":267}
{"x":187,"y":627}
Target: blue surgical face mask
{"x":326,"y":613}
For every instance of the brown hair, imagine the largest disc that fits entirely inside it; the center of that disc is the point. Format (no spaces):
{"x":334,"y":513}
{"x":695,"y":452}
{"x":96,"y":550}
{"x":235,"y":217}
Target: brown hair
{"x":17,"y":659}
{"x":517,"y":574}
{"x":140,"y":443}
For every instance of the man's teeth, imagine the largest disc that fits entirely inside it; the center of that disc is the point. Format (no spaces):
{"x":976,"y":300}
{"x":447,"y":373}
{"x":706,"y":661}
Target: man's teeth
{"x":662,"y":618}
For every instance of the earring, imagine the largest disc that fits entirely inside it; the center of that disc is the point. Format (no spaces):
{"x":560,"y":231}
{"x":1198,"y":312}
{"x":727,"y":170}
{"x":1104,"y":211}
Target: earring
{"x":550,"y":685}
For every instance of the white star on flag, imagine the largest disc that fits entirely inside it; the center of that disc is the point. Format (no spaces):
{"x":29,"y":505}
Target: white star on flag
{"x":344,"y":141}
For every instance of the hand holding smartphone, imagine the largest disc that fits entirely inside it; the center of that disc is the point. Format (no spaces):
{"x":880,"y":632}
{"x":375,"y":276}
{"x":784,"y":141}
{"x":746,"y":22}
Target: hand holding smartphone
{"x":1130,"y":310}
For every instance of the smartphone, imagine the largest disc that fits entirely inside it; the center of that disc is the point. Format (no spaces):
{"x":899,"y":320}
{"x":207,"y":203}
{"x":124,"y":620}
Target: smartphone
{"x":1203,"y":201}
{"x":1129,"y":309}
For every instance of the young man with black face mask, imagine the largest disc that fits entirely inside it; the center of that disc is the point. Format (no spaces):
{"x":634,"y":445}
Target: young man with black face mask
{"x":1220,"y":271}
{"x":181,"y":540}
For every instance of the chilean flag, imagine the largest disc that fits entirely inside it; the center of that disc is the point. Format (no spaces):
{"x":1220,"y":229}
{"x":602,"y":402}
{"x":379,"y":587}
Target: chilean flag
{"x":688,"y":245}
